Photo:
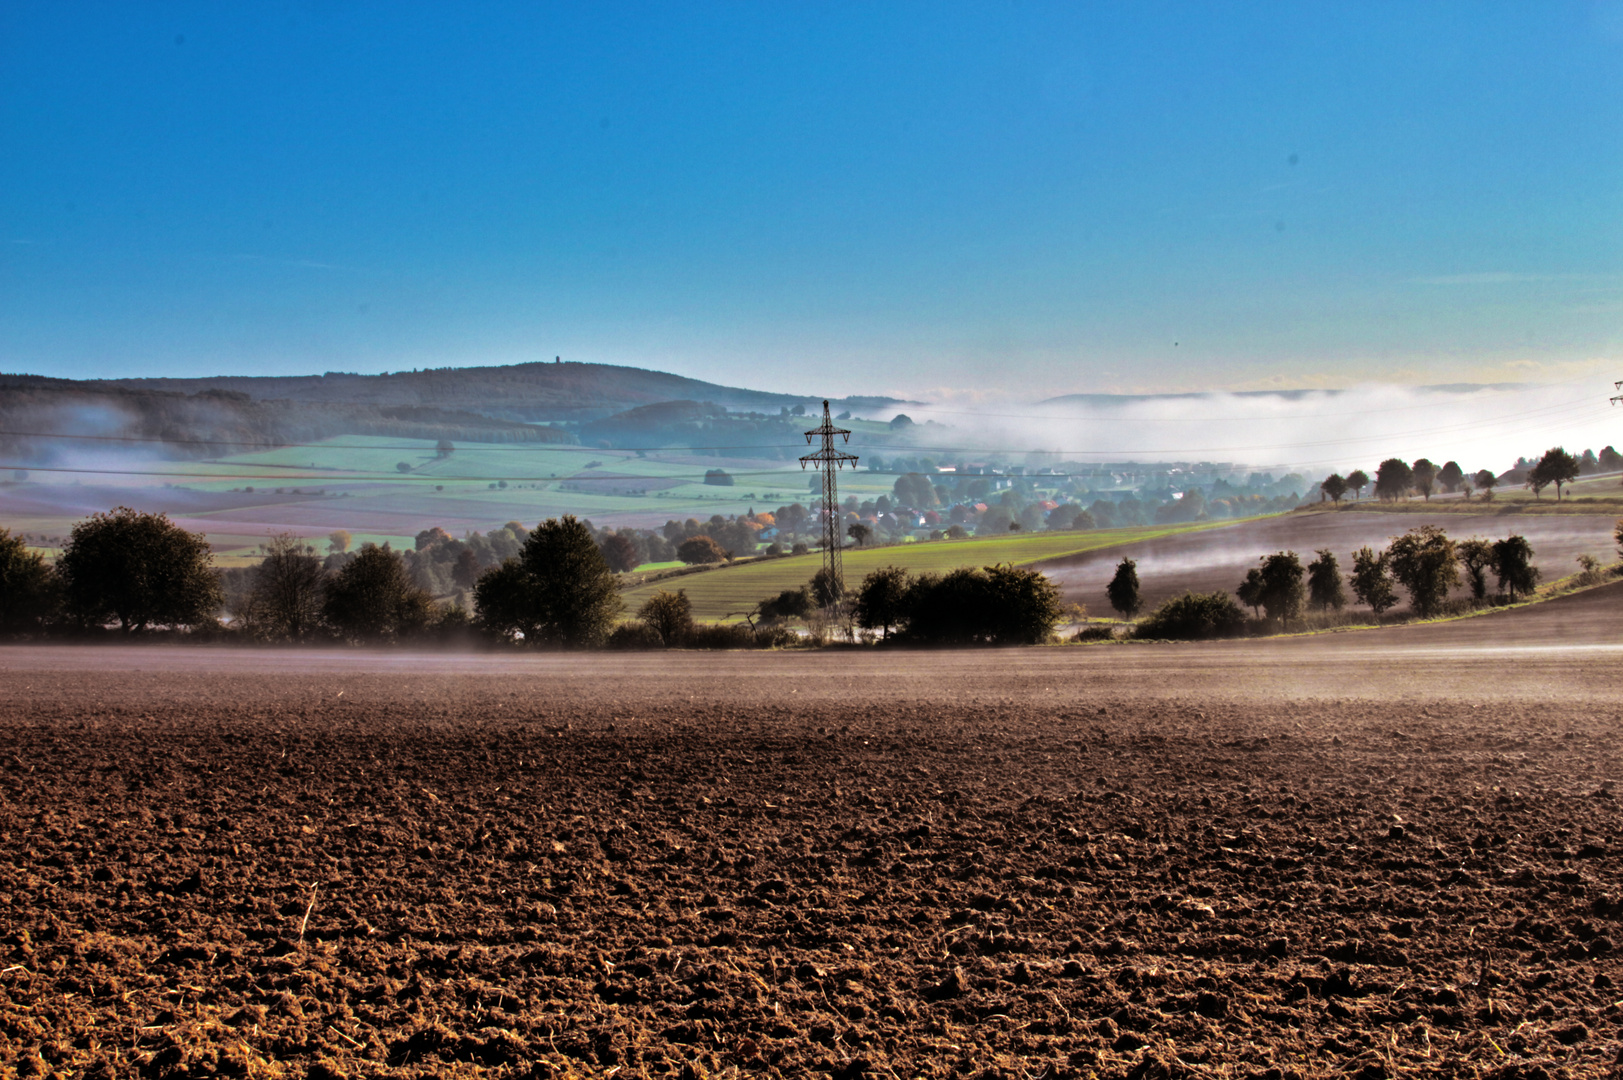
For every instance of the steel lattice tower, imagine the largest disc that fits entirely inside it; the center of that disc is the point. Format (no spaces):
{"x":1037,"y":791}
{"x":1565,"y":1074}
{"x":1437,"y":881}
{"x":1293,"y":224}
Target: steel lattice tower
{"x":829,"y":459}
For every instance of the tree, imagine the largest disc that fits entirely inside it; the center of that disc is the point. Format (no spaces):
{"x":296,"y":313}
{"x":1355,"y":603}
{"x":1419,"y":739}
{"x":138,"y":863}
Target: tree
{"x":1282,"y":592}
{"x":503,"y":598}
{"x":619,"y":552}
{"x":573,"y":593}
{"x":1372,"y":580}
{"x":1393,"y":480}
{"x":1123,"y":589}
{"x":402,"y":466}
{"x":1002,"y":605}
{"x":1485,"y":482}
{"x":1450,"y":476}
{"x":28,"y":588}
{"x":1425,"y":563}
{"x":882,"y":599}
{"x":140,"y":569}
{"x":789,"y":604}
{"x":1556,"y":467}
{"x":286,"y":597}
{"x":1618,"y":536}
{"x":372,"y":597}
{"x":1193,"y":617}
{"x":670,"y":614}
{"x":1513,"y":565}
{"x":1334,"y":486}
{"x":1250,"y":591}
{"x":1358,"y":480}
{"x":1476,"y":559}
{"x":1424,"y":476}
{"x":858,"y":532}
{"x":825,"y":590}
{"x":701,"y":549}
{"x":338,"y":541}
{"x":1324,"y":591}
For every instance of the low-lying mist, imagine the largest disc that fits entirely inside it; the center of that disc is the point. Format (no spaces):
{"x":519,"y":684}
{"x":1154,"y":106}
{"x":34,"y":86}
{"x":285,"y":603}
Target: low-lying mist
{"x":1314,"y":431}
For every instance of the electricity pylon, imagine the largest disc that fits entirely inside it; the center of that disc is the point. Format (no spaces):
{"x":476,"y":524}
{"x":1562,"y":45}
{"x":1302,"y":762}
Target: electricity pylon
{"x":1619,"y":399}
{"x":829,"y":459}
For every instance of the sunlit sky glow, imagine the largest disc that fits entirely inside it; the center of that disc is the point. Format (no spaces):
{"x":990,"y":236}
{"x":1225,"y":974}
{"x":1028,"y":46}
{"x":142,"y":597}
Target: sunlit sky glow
{"x":823,"y":198}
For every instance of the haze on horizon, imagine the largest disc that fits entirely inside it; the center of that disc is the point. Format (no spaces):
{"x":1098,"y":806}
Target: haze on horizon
{"x":935,"y":201}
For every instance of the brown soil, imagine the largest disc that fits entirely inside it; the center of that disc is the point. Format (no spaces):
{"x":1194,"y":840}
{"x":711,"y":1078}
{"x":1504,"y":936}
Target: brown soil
{"x":1337,"y":856}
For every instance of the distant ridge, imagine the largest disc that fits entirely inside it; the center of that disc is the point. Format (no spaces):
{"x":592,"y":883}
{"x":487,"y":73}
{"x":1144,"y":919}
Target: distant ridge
{"x":527,"y":393}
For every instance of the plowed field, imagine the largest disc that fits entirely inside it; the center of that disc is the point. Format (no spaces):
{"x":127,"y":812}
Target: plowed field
{"x":1341,"y":856}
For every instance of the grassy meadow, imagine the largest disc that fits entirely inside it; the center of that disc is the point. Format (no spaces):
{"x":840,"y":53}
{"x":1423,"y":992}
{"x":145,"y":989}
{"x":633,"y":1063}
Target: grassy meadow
{"x":719,"y":595}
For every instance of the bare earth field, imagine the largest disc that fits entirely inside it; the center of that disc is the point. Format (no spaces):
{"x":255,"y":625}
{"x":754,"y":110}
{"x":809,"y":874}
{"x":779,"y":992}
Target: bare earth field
{"x":1218,"y":560}
{"x":1392,"y":853}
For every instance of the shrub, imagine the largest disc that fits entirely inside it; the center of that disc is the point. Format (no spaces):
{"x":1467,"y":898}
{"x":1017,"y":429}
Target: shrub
{"x":721,"y":636}
{"x":635,"y":635}
{"x":1194,"y":617}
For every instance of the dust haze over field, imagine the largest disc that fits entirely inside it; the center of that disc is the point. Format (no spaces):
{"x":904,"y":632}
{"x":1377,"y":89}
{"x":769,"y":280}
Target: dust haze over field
{"x":1317,"y":431}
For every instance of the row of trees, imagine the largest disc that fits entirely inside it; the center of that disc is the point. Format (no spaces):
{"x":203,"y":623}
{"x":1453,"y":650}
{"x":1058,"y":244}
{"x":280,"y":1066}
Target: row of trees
{"x":1397,"y":479}
{"x":1425,"y":562}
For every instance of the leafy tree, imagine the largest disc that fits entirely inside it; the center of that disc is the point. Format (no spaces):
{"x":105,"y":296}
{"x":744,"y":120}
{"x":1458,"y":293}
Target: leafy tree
{"x":573,"y":590}
{"x":858,"y":532}
{"x":1003,"y":605}
{"x":1372,"y":580}
{"x":701,"y":549}
{"x":619,"y":552}
{"x":1424,"y":475}
{"x":338,"y":541}
{"x":402,"y":466}
{"x":503,"y":597}
{"x":1476,"y":559}
{"x":1193,"y":617}
{"x":443,"y":449}
{"x":1609,"y":459}
{"x":1282,"y":591}
{"x":1324,"y":591}
{"x":1358,"y":480}
{"x":28,"y":588}
{"x":1250,"y":591}
{"x":1393,"y":479}
{"x":140,"y":569}
{"x":670,"y":614}
{"x":1513,"y":565}
{"x":789,"y":604}
{"x":1123,"y":589}
{"x":956,"y":532}
{"x":465,"y":571}
{"x":1450,"y":476}
{"x":1425,"y":563}
{"x":882,"y":599}
{"x":826,"y":592}
{"x":286,"y":597}
{"x":1556,"y":467}
{"x":1334,"y":486}
{"x":1486,"y":481}
{"x":372,"y":598}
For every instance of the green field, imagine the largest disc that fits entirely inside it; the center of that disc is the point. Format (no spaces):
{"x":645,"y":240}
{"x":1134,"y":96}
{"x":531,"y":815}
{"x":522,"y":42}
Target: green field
{"x":726,"y":591}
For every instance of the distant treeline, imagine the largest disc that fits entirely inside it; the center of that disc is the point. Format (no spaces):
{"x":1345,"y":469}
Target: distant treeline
{"x":39,"y":418}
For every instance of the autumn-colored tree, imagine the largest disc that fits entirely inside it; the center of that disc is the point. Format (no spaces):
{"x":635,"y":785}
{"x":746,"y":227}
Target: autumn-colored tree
{"x":701,"y":549}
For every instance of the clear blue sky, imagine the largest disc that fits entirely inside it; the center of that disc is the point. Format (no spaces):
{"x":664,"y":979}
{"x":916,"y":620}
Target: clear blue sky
{"x":818,"y":197}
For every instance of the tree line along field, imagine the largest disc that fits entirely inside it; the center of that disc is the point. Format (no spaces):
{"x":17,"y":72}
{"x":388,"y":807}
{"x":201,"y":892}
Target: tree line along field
{"x":720,"y":595}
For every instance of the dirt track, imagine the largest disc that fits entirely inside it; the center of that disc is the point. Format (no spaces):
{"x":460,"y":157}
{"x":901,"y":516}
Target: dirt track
{"x":1377,"y":854}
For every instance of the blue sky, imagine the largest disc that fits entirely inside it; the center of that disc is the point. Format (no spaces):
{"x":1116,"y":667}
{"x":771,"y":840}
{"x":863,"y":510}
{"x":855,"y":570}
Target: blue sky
{"x":834,"y":198}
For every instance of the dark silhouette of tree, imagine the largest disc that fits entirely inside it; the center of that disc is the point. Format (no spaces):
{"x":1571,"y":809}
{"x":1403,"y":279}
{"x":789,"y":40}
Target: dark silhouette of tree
{"x":670,"y":614}
{"x":1513,"y":565}
{"x":1334,"y":486}
{"x":1486,"y":481}
{"x":882,"y":599}
{"x":1358,"y":480}
{"x":1372,"y":580}
{"x":28,"y":588}
{"x":1250,"y":591}
{"x":576,"y":597}
{"x":1425,"y":563}
{"x":701,"y":549}
{"x":1476,"y":559}
{"x":1393,"y":479}
{"x":139,"y":569}
{"x":372,"y":597}
{"x":1424,"y":475}
{"x":503,"y":598}
{"x":1282,"y":591}
{"x":858,"y":532}
{"x":1556,"y":467}
{"x":287,"y":594}
{"x":619,"y":552}
{"x":789,"y":604}
{"x":443,"y":449}
{"x":1450,"y":476}
{"x":825,"y":590}
{"x":1123,"y":589}
{"x":1324,"y":591}
{"x":402,"y":466}
{"x":465,"y":571}
{"x":1193,"y":617}
{"x":1000,"y":605}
